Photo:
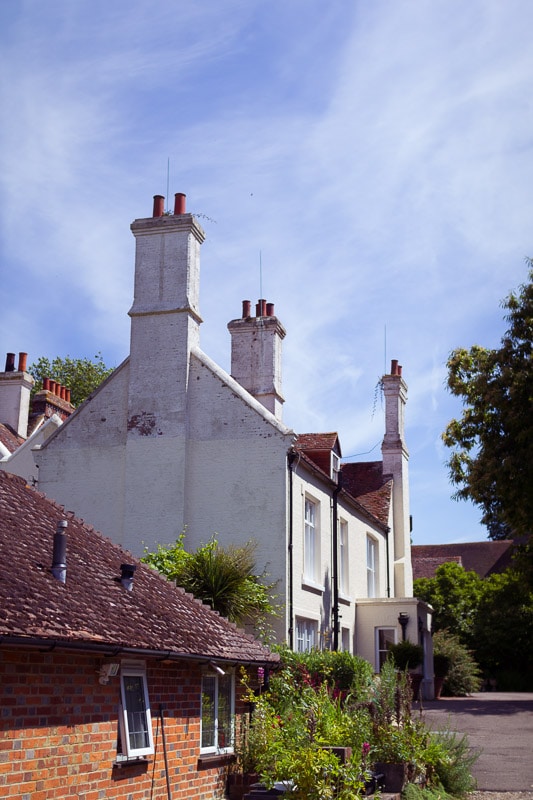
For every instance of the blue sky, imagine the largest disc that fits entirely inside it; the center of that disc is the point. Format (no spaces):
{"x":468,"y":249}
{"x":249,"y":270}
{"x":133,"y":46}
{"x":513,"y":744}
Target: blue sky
{"x":375,"y":157}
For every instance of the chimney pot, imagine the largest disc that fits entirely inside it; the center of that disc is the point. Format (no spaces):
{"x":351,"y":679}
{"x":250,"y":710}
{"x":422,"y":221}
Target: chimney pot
{"x":179,"y":203}
{"x":46,"y":384}
{"x":394,"y":366}
{"x":52,"y":386}
{"x":246,"y":309}
{"x":159,"y":205}
{"x":67,"y":395}
{"x":23,"y":360}
{"x":57,"y":389}
{"x":59,"y":555}
{"x":127,"y":571}
{"x":10,"y":362}
{"x":270,"y":309}
{"x":399,"y":369}
{"x":63,"y":392}
{"x":262,"y":308}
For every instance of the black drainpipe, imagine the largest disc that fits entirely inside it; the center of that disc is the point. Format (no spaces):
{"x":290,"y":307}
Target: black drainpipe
{"x":291,"y":457}
{"x":335,"y":537}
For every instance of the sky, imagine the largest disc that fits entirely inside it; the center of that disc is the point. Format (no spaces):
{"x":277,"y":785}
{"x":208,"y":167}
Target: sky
{"x":366,"y":165}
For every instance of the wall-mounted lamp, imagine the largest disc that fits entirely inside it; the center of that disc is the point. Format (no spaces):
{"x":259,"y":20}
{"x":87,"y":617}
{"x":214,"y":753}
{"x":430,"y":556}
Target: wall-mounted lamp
{"x":403,"y":619}
{"x":216,"y":668}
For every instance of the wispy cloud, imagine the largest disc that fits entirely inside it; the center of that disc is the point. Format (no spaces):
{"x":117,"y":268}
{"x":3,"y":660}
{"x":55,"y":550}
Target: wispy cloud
{"x":376,"y":155}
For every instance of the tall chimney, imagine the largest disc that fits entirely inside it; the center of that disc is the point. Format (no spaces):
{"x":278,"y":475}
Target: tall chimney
{"x":256,"y":354}
{"x":59,"y":556}
{"x":396,"y":463}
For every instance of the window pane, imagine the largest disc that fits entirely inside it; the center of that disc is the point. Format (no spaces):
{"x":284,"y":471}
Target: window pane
{"x":136,"y":712}
{"x":309,"y":540}
{"x":208,"y":710}
{"x":225,"y":719}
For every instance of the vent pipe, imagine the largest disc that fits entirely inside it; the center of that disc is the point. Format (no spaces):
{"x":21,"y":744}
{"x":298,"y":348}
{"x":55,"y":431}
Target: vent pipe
{"x":127,"y":571}
{"x":59,"y":556}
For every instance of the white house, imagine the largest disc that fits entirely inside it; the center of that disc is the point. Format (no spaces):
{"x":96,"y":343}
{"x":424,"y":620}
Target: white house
{"x":170,"y":442}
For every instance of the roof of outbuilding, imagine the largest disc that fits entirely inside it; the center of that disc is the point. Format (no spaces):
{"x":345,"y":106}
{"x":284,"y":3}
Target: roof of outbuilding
{"x":9,"y":438}
{"x":485,"y":558}
{"x":365,"y":481}
{"x":93,"y":608}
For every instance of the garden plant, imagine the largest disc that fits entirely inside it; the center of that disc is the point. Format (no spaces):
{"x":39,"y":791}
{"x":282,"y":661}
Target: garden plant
{"x":325,"y":720}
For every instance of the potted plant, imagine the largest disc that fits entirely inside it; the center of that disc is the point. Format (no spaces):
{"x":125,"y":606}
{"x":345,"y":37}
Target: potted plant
{"x":409,"y":656}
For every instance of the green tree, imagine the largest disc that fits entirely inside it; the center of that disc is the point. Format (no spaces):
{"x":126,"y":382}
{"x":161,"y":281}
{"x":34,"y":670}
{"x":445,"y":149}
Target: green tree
{"x":463,"y":675}
{"x":503,"y":632}
{"x":455,"y":595}
{"x":224,"y":577}
{"x":492,"y":442}
{"x":81,"y":375}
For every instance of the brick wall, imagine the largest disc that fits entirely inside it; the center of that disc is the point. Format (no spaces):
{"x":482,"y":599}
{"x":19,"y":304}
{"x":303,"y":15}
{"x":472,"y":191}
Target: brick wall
{"x":58,"y":732}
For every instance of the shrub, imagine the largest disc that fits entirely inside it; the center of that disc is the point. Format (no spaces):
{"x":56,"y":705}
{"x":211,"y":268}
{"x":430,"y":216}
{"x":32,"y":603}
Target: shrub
{"x":463,"y":676}
{"x":407,"y":655}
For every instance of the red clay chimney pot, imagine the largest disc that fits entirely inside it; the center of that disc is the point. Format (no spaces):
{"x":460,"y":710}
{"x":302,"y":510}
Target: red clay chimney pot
{"x":159,"y":205}
{"x":52,"y":386}
{"x":10,"y":362}
{"x":262,"y":307}
{"x":270,"y":309}
{"x":179,"y":203}
{"x":46,"y":384}
{"x":23,"y":360}
{"x":394,"y":367}
{"x":246,"y":309}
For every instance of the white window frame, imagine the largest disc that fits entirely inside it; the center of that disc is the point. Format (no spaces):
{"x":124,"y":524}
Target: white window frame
{"x":371,"y":566}
{"x":344,"y":575}
{"x":383,"y":644}
{"x":214,"y":746}
{"x":311,"y":539}
{"x":125,"y":717}
{"x":335,"y":466}
{"x":306,"y":635}
{"x":345,"y":640}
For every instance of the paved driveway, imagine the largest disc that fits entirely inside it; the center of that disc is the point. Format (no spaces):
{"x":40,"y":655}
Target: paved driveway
{"x":498,"y":723}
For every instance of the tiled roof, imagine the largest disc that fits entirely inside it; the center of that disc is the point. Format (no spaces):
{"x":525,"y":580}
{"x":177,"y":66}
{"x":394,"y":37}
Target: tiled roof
{"x":316,"y":441}
{"x":92,"y":608}
{"x":365,"y":481}
{"x":9,"y":438}
{"x":485,"y":558}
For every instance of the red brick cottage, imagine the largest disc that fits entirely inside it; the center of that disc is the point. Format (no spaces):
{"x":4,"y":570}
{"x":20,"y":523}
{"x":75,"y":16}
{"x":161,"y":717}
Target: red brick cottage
{"x":113,"y":682}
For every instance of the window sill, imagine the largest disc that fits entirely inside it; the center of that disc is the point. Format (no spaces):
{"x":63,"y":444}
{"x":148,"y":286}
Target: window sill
{"x":312,"y":586}
{"x":215,"y":760}
{"x":346,"y":599}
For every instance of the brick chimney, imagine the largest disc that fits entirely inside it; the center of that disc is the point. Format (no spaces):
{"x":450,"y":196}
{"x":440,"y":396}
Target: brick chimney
{"x":256,"y":354}
{"x":396,"y":463}
{"x":165,"y":316}
{"x":15,"y":387}
{"x":53,"y":398}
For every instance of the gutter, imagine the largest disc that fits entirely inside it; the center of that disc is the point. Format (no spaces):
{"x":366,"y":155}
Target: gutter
{"x":48,"y":645}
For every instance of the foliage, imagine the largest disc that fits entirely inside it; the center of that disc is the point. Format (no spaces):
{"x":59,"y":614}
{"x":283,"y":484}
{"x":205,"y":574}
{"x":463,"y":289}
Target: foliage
{"x":81,"y":375}
{"x":504,"y":629}
{"x":451,"y":768}
{"x":303,"y":715}
{"x":463,"y":676}
{"x":455,"y":595}
{"x":341,"y":671}
{"x":492,"y":442}
{"x":224,"y":577}
{"x":406,"y":655}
